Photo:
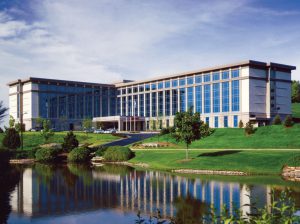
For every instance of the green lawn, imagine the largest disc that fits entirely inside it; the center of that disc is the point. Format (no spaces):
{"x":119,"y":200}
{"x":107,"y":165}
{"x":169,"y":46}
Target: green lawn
{"x":296,"y":110}
{"x":250,"y":161}
{"x":272,"y":137}
{"x":33,"y":139}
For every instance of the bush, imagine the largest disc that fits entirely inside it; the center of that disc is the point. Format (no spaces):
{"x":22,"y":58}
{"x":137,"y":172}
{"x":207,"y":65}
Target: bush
{"x":70,"y":142}
{"x":78,"y":155}
{"x":241,"y":124}
{"x":249,"y":129}
{"x":11,"y":139}
{"x":100,"y":151}
{"x":24,"y":154}
{"x":46,"y":155}
{"x":288,"y":121}
{"x":119,"y":135}
{"x":277,"y":120}
{"x":118,"y":153}
{"x":164,"y":131}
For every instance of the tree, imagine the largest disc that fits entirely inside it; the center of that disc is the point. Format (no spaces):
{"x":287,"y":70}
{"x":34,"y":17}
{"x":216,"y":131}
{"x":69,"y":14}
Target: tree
{"x":249,"y":129}
{"x":70,"y":142}
{"x":187,"y":128}
{"x":11,"y":139}
{"x":288,"y":121}
{"x":241,"y":124}
{"x":47,"y":132}
{"x":3,"y":111}
{"x":295,"y":91}
{"x":277,"y":120}
{"x":11,"y":122}
{"x":87,"y":124}
{"x":39,"y":122}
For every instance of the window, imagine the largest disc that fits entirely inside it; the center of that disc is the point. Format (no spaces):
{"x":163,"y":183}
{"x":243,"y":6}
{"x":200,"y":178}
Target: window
{"x":141,"y":88}
{"x":216,"y":76}
{"x":167,"y":102}
{"x":123,"y":106}
{"x":216,"y":97}
{"x":199,"y":99}
{"x":135,"y":89}
{"x":182,"y":82}
{"x":198,"y":79}
{"x":182,"y":99}
{"x":129,"y":106}
{"x":129,"y":90}
{"x":235,"y":121}
{"x":216,"y":122}
{"x":225,"y":121}
{"x":123,"y":91}
{"x":141,"y":104}
{"x":190,"y":92}
{"x":206,"y":78}
{"x":225,"y":75}
{"x":225,"y":97}
{"x":174,"y":101}
{"x":147,"y":104}
{"x":235,"y":98}
{"x":207,"y":98}
{"x":235,"y":73}
{"x":160,"y":103}
{"x":167,"y":84}
{"x":174,"y":83}
{"x":190,"y":80}
{"x":153,"y":86}
{"x":207,"y":120}
{"x":147,"y":87}
{"x":135,"y":105}
{"x":153,"y":104}
{"x":160,"y":85}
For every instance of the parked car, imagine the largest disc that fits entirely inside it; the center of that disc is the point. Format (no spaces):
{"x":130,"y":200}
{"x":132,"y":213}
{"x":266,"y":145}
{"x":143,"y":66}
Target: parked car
{"x":110,"y":131}
{"x":99,"y":131}
{"x":88,"y":130}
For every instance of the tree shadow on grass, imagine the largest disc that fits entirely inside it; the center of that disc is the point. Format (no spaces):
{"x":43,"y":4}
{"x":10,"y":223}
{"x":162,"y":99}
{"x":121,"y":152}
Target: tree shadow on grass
{"x":219,"y":153}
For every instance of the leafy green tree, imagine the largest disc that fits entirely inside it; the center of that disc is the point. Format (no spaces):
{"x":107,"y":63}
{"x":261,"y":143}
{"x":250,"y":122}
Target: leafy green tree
{"x":288,"y":121}
{"x":11,"y":122}
{"x":295,"y":91}
{"x":87,"y":124}
{"x":39,"y":122}
{"x":11,"y":139}
{"x":70,"y":142}
{"x":277,"y":120}
{"x":187,"y":128}
{"x":47,"y":132}
{"x":3,"y":111}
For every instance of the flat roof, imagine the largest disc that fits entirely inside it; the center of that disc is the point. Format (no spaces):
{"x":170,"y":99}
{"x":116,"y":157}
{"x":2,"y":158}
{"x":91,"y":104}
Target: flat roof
{"x":215,"y":68}
{"x":44,"y":80}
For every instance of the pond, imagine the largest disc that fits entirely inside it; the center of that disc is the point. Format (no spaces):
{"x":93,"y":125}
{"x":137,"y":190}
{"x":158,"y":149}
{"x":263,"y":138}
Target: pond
{"x":114,"y":194}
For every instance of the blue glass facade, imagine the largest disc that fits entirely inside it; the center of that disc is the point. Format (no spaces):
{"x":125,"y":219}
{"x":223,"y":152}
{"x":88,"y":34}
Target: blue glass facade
{"x":207,"y":103}
{"x":182,"y":99}
{"x":235,"y":121}
{"x":235,"y":95}
{"x":190,"y":92}
{"x":225,"y":97}
{"x":198,"y":99}
{"x":216,"y":122}
{"x":216,"y":97}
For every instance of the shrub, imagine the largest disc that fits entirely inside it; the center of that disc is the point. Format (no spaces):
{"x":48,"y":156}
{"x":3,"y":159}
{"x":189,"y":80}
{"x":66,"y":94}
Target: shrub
{"x":46,"y":155}
{"x":205,"y":130}
{"x":78,"y":155}
{"x":118,"y":153}
{"x":249,"y":129}
{"x":100,"y":151}
{"x":70,"y":142}
{"x":119,"y":135}
{"x":288,"y":121}
{"x":164,"y":131}
{"x":277,"y":120}
{"x":11,"y":139}
{"x":54,"y":146}
{"x":241,"y":124}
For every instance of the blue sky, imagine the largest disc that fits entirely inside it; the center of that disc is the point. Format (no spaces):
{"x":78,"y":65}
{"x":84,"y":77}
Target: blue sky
{"x":107,"y":40}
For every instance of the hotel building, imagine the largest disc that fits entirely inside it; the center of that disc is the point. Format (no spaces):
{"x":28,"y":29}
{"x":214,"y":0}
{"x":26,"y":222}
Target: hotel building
{"x":223,"y":95}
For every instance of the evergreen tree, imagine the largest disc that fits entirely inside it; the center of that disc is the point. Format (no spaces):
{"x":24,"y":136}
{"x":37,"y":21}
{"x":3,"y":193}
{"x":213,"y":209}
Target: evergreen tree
{"x":288,"y":121}
{"x":277,"y":120}
{"x":241,"y":124}
{"x":249,"y":129}
{"x":70,"y":142}
{"x":11,"y":139}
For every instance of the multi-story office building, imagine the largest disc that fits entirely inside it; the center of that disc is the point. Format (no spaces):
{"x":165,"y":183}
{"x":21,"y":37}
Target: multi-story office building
{"x":223,"y":95}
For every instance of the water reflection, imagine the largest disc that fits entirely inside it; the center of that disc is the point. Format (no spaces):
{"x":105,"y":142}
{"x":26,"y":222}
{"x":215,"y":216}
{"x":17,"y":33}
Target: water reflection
{"x":47,"y":191}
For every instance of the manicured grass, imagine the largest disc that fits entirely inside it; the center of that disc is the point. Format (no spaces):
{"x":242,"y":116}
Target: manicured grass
{"x":296,"y":110}
{"x":34,"y":139}
{"x":250,"y":161}
{"x":271,"y":137}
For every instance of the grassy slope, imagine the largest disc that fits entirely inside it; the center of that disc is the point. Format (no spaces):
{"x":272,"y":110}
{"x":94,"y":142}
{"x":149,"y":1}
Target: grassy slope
{"x":234,"y":138}
{"x":296,"y":110}
{"x":33,"y":139}
{"x":251,"y":161}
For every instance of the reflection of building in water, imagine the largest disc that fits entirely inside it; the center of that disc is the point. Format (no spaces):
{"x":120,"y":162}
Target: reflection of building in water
{"x":146,"y":191}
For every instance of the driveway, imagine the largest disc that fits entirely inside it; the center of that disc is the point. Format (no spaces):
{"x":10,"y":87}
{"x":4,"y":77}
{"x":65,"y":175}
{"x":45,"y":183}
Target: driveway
{"x":131,"y":139}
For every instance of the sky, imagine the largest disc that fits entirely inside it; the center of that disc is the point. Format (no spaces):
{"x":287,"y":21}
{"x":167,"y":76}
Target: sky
{"x":110,"y":40}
